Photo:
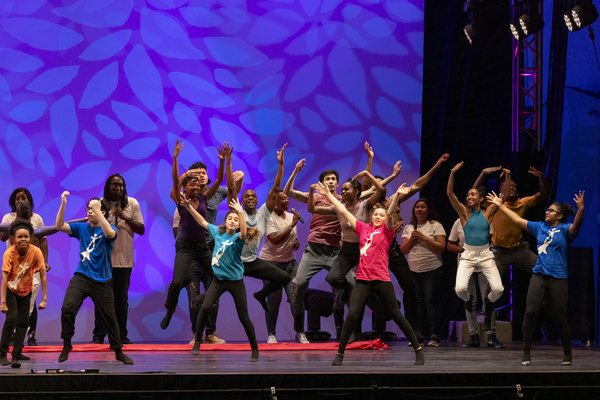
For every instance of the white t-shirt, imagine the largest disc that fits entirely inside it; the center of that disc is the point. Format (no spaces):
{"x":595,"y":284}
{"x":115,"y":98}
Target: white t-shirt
{"x":420,"y":258}
{"x":257,"y":220}
{"x":284,"y":251}
{"x":122,"y":253}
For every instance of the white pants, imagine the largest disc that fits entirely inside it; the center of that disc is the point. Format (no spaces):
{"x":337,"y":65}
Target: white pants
{"x":34,"y":291}
{"x":480,"y":258}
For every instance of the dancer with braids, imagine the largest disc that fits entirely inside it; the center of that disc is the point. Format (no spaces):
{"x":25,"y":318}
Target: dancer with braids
{"x":191,"y":238}
{"x":228,"y":269}
{"x":373,"y":274}
{"x":554,"y":236}
{"x":93,"y":276}
{"x":20,"y":262}
{"x":476,"y":228}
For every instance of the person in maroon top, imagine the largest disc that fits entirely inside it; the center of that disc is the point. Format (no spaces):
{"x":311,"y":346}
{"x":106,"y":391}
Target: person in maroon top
{"x":191,"y":243}
{"x":373,"y":274}
{"x":323,"y":242}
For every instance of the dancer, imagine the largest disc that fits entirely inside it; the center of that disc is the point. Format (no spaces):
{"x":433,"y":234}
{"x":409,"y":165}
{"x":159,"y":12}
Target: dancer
{"x":456,"y":243}
{"x":19,"y":264}
{"x":21,"y":205}
{"x":424,"y":240}
{"x":191,"y":244}
{"x":323,"y":242}
{"x":476,"y":227}
{"x":554,"y":236}
{"x":373,"y":274}
{"x":228,"y":269}
{"x":93,"y":276}
{"x":279,"y":247}
{"x":509,"y":248}
{"x":127,"y":217}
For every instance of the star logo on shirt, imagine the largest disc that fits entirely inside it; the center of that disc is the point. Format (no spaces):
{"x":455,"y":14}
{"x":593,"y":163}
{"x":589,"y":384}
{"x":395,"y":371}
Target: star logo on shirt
{"x":90,"y":248}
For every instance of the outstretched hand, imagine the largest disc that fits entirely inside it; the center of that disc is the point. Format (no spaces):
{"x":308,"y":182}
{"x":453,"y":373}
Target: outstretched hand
{"x":321,"y":188}
{"x":505,"y":172}
{"x":535,"y":172}
{"x":300,"y":165}
{"x":403,"y":190}
{"x":178,"y":147}
{"x":235,"y":204}
{"x":494,"y":199}
{"x":490,"y":170}
{"x":442,"y":159}
{"x":457,"y":166}
{"x":369,"y":150}
{"x":184,"y":201}
{"x":579,"y":199}
{"x":63,"y":197}
{"x":397,"y":167}
{"x":280,"y":154}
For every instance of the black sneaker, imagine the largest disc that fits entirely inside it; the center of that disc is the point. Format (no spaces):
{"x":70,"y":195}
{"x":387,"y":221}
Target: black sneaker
{"x":493,"y":342}
{"x":473,"y":341}
{"x":97,"y":340}
{"x":31,"y":341}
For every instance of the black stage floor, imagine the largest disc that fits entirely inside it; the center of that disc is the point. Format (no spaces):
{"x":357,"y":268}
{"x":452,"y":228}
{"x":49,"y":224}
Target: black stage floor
{"x":449,"y":372}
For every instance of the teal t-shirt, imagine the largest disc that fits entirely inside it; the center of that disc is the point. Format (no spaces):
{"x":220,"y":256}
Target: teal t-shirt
{"x":227,"y":256}
{"x":477,"y":229}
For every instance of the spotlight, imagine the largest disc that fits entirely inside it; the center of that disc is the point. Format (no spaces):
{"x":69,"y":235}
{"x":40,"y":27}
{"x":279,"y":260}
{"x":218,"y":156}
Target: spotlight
{"x":531,"y":23}
{"x":584,"y":14}
{"x":570,"y":22}
{"x":470,"y":33}
{"x":517,"y":31}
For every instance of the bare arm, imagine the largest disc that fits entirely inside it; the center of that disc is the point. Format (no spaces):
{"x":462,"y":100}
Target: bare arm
{"x":543,"y":192}
{"x":272,"y":196}
{"x":482,"y":178}
{"x":454,"y":247}
{"x":369,"y":166}
{"x":379,"y":189}
{"x":322,"y":189}
{"x":176,"y":189}
{"x":289,"y":186}
{"x":402,"y":191}
{"x":371,"y":191}
{"x":235,"y":205}
{"x":576,"y":225}
{"x":197,"y":216}
{"x":278,"y":237}
{"x":107,"y":229}
{"x":420,"y":183}
{"x":491,"y":210}
{"x":460,"y":208}
{"x":497,"y":201}
{"x":330,"y":210}
{"x":44,"y":283}
{"x":3,"y":286}
{"x":60,"y":216}
{"x":220,"y":173}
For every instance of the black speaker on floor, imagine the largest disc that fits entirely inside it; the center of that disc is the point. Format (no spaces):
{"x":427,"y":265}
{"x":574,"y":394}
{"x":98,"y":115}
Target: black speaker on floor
{"x":318,"y":303}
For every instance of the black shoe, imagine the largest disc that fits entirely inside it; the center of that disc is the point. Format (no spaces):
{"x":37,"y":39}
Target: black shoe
{"x":97,"y":340}
{"x":493,"y":342}
{"x":126,"y":340}
{"x":164,"y":324}
{"x":31,"y":341}
{"x":473,"y":341}
{"x":21,"y":357}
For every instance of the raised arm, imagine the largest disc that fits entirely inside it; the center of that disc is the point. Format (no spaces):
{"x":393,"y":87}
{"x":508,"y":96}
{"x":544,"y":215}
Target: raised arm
{"x":402,"y":191}
{"x":107,"y":229}
{"x":329,"y":210}
{"x":542,"y":194}
{"x":574,"y":228}
{"x":278,"y":237}
{"x":420,"y":183}
{"x":272,"y":196}
{"x":199,"y":218}
{"x":224,"y":151}
{"x":289,"y":186}
{"x":60,"y":216}
{"x":369,"y":166}
{"x":371,"y":191}
{"x":379,"y":189}
{"x":497,"y":201}
{"x":460,"y":208}
{"x":322,"y":189}
{"x":176,"y":189}
{"x":492,"y":208}
{"x":482,"y":178}
{"x":235,"y":205}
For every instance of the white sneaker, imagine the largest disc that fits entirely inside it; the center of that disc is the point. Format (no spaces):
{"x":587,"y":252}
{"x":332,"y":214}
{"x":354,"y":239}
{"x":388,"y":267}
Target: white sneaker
{"x":301,"y":338}
{"x":272,"y":339}
{"x":193,"y":340}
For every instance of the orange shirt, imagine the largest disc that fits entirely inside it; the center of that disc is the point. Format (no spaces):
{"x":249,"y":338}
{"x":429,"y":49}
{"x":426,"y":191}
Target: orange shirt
{"x":507,"y":233}
{"x":21,"y":268}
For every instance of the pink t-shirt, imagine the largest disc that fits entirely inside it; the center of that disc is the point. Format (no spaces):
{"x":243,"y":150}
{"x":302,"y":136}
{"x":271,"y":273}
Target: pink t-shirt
{"x":325,"y":229}
{"x":374,"y":252}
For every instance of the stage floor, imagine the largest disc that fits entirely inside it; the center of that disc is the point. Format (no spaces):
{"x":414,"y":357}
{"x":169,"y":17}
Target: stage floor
{"x":449,"y":371}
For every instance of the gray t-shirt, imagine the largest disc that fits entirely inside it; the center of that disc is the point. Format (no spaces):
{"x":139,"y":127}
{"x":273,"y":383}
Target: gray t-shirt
{"x":259,"y":221}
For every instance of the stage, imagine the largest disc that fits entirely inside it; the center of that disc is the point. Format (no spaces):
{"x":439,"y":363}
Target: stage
{"x":449,"y":372}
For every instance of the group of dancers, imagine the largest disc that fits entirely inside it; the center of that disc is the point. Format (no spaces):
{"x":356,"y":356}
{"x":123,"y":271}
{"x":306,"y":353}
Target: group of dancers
{"x":356,"y":229}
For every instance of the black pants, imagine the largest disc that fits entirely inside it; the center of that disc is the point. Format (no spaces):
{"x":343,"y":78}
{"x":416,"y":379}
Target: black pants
{"x":193,"y":290}
{"x":557,"y":290}
{"x":347,"y":259}
{"x":399,"y":267}
{"x":238,"y":292}
{"x":358,"y":300}
{"x":17,"y":320}
{"x":121,"y":279}
{"x":264,"y":270}
{"x":80,"y":288}
{"x":186,"y":252}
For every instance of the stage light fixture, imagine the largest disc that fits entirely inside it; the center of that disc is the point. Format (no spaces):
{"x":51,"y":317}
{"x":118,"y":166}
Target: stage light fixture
{"x":470,"y":33}
{"x":517,"y":31}
{"x":584,"y":14}
{"x":570,"y":22}
{"x":531,"y":23}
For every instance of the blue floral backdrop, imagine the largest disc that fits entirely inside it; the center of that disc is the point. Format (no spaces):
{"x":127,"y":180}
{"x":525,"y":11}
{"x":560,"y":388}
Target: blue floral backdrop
{"x":93,"y":87}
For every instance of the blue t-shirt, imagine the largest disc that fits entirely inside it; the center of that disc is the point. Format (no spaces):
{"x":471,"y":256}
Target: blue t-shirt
{"x":227,"y":261}
{"x":477,"y":229}
{"x":552,"y":242}
{"x":95,"y":251}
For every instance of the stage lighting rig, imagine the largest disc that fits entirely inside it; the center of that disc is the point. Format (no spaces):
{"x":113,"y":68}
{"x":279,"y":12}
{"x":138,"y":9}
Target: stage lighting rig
{"x":581,"y":16}
{"x":529,"y":23}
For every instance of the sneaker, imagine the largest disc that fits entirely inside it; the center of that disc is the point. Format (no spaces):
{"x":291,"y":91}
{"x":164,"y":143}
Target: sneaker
{"x":493,"y":342}
{"x":97,"y":340}
{"x":272,"y":339}
{"x":434,"y":341}
{"x":214,"y":339}
{"x":526,"y":358}
{"x":31,"y":341}
{"x":126,"y":340}
{"x":193,"y":340}
{"x":473,"y":341}
{"x":301,"y":338}
{"x":567,"y":359}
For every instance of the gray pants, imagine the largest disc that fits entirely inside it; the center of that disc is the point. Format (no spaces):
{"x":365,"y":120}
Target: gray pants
{"x":477,"y":279}
{"x":316,"y":257}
